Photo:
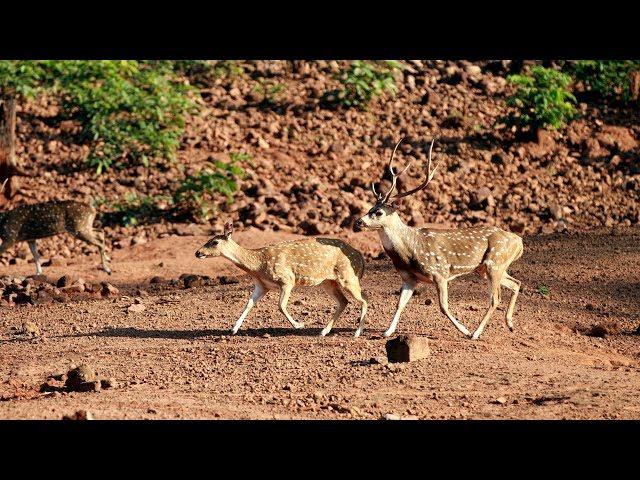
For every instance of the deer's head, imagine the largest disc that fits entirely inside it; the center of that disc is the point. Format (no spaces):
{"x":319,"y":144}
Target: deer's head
{"x":384,"y":210}
{"x":217,"y":245}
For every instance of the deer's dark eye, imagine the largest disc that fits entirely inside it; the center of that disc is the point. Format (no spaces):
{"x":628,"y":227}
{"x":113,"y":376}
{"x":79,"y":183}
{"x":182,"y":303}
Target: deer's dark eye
{"x":378,"y":213}
{"x":214,"y":243}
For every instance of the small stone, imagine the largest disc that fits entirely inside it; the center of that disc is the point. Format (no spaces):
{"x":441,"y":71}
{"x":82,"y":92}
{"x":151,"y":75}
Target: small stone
{"x":501,"y":400}
{"x":79,"y":415}
{"x":82,"y":379}
{"x":108,"y":290}
{"x":228,"y":280}
{"x":379,"y":360}
{"x":136,"y":308}
{"x":157,"y":279}
{"x":31,"y":329}
{"x":191,"y":281}
{"x":68,"y":280}
{"x":109,"y":383}
{"x":407,"y":348}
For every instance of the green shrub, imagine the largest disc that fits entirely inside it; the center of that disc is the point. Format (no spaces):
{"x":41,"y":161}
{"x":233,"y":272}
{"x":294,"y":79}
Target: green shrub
{"x":362,"y":81}
{"x":607,"y":78}
{"x":542,"y":99}
{"x":197,"y":192}
{"x":130,"y":111}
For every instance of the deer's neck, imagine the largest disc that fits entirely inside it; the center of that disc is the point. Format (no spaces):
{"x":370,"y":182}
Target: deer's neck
{"x":398,"y":237}
{"x":247,"y":260}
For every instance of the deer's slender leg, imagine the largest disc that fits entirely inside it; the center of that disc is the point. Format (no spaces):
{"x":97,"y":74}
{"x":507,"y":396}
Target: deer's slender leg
{"x":258,"y":292}
{"x":332,"y":289}
{"x":443,"y":297}
{"x":91,"y":239}
{"x":408,"y":287}
{"x":285,"y":291}
{"x":494,"y":286}
{"x":36,"y":256}
{"x":352,"y":285}
{"x":514,"y":285}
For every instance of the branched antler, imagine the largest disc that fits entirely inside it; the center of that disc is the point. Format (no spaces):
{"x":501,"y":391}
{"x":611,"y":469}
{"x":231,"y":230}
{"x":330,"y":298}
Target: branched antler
{"x":383,"y":198}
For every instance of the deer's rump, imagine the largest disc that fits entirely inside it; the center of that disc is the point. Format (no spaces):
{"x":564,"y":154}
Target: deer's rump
{"x":41,"y":220}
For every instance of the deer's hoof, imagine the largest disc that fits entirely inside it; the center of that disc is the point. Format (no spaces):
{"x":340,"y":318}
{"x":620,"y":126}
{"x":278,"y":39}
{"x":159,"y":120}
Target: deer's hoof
{"x":324,"y":332}
{"x":298,"y":326}
{"x":357,"y":334}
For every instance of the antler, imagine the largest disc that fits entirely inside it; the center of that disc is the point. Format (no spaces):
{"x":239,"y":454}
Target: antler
{"x":382,"y":198}
{"x":426,"y":182}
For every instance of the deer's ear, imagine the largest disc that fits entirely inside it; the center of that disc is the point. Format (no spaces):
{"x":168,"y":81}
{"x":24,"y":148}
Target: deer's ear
{"x":228,"y":228}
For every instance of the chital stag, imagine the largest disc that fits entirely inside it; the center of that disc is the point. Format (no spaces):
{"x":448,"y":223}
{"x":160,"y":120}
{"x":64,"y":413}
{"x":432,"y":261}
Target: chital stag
{"x":439,"y":256}
{"x":27,"y":223}
{"x":330,"y":263}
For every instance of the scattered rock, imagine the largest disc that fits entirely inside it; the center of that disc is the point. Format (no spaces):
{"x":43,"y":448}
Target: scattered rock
{"x":79,"y":415}
{"x":190,"y":281}
{"x":108,"y":290}
{"x":136,"y":308}
{"x":31,"y":329}
{"x":500,"y":400}
{"x":68,"y":280}
{"x":603,"y":329}
{"x":379,"y":360}
{"x":407,"y":348}
{"x":228,"y":280}
{"x":82,"y":379}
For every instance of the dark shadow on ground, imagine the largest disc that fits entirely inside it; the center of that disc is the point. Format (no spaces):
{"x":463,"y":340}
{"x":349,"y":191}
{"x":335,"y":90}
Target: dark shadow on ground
{"x":133,"y":332}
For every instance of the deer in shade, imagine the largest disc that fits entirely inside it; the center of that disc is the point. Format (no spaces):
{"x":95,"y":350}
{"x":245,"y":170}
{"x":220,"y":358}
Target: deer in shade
{"x":438,"y":256}
{"x":28,"y":223}
{"x":330,"y":263}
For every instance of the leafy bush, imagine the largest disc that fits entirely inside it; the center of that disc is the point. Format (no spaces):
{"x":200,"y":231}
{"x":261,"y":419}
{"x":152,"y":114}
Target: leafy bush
{"x":541,"y":100}
{"x":197,"y":192}
{"x":363,"y":81}
{"x":130,"y":111}
{"x":607,"y":78}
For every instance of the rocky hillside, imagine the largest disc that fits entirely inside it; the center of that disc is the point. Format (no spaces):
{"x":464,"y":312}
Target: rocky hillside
{"x":312,"y":165}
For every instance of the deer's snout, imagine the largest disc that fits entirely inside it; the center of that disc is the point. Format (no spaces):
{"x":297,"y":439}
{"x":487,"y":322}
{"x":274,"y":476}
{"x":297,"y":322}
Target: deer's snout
{"x":358,"y":226}
{"x":199,"y":254}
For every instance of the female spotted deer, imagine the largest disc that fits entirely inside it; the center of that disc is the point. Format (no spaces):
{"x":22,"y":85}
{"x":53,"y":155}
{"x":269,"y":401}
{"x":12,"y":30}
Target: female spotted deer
{"x":438,"y":256}
{"x":330,"y":263}
{"x":28,"y":223}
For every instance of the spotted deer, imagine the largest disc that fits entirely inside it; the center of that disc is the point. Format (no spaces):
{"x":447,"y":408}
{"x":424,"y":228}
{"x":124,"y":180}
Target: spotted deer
{"x":439,"y":256}
{"x":28,"y":223}
{"x":330,"y":263}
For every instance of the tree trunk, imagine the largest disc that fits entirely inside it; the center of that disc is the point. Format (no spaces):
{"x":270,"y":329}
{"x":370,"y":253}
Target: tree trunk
{"x":8,"y":165}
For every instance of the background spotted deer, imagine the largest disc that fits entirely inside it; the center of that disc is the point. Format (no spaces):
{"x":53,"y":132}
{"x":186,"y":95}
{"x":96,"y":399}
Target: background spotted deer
{"x":330,"y":263}
{"x":439,"y":256}
{"x":31,"y":222}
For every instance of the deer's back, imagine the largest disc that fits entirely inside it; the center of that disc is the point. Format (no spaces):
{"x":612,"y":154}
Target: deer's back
{"x":30,"y":222}
{"x":311,"y":261}
{"x":453,"y":252}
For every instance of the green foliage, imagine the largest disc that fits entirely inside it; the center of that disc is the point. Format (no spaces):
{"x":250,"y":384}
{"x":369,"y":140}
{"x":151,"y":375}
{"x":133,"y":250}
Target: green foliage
{"x":270,"y":90}
{"x":607,"y":78}
{"x":543,"y":289}
{"x":541,"y":100}
{"x":135,"y":209}
{"x":22,"y":78}
{"x":130,"y":111}
{"x":198,"y":191}
{"x":362,"y":81}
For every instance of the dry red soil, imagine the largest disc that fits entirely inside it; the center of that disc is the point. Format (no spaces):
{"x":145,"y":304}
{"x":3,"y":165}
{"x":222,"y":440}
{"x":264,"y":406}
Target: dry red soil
{"x":176,"y":360}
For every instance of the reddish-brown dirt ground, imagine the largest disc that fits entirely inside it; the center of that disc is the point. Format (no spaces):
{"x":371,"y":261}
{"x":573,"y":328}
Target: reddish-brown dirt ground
{"x":176,"y":359}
